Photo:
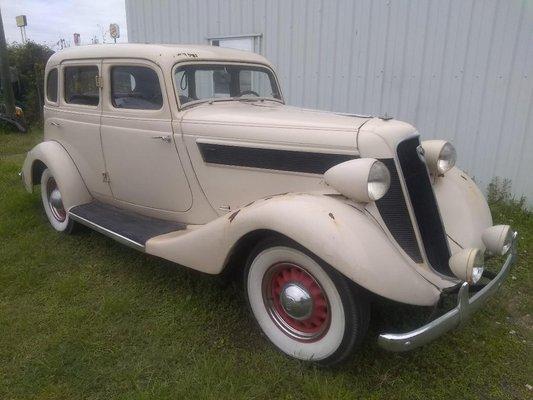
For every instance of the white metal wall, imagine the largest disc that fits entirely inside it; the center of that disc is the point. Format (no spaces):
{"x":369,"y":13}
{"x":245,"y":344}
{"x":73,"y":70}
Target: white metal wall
{"x":456,"y":69}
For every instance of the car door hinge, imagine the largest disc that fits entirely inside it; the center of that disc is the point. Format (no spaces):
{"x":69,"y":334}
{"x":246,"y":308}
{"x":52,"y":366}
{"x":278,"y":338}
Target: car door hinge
{"x":105,"y":177}
{"x":99,"y":81}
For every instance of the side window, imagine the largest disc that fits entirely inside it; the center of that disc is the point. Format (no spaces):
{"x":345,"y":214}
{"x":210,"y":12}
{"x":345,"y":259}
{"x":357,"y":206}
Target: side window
{"x":136,"y":88}
{"x":80,"y":85}
{"x":182,"y":82}
{"x":51,"y":86}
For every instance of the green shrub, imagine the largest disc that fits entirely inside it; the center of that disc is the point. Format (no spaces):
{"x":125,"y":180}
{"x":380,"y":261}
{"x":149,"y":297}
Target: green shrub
{"x":30,"y":59}
{"x":499,"y":195}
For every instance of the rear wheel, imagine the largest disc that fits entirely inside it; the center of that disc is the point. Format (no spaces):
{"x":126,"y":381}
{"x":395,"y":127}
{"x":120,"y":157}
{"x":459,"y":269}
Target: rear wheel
{"x":307,"y":310}
{"x":53,"y":204}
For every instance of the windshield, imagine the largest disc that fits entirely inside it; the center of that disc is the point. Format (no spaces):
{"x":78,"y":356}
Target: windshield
{"x":224,"y":82}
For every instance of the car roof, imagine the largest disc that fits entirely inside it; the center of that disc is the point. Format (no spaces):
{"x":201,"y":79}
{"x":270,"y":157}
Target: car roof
{"x":163,"y":54}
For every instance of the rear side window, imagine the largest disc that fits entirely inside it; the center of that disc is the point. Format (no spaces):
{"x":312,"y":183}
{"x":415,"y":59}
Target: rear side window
{"x":136,"y":88}
{"x":80,"y":85}
{"x":51,"y":86}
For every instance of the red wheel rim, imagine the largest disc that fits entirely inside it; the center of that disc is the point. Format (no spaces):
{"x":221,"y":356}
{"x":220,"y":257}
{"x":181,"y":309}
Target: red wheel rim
{"x":313,"y":321}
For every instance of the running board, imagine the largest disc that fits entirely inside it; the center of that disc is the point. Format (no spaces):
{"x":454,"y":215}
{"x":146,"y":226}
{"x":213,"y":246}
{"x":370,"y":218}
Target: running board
{"x":126,"y":227}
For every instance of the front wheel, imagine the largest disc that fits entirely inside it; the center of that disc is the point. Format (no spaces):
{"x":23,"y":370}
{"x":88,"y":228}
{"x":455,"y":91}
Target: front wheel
{"x":53,"y":204}
{"x":307,"y":310}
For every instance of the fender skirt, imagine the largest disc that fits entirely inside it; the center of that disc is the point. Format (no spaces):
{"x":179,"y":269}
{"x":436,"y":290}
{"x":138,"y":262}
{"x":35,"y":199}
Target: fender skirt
{"x":342,"y":236}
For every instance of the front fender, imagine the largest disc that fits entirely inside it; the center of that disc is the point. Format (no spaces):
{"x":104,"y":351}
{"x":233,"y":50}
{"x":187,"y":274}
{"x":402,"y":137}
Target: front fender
{"x":343,"y":236}
{"x":67,"y":176}
{"x":463,"y":208}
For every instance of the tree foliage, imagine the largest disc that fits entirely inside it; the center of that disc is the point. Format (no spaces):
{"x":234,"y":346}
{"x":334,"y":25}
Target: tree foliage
{"x":30,"y":59}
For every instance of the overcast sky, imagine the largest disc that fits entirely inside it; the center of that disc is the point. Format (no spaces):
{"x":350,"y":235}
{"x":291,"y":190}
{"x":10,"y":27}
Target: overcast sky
{"x":51,"y":20}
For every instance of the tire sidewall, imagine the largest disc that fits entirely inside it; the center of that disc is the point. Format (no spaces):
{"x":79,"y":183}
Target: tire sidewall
{"x":60,"y":226}
{"x":346,"y":324}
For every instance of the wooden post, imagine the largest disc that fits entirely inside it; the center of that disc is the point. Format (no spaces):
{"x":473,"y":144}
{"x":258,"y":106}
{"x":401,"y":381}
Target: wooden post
{"x":9,"y":98}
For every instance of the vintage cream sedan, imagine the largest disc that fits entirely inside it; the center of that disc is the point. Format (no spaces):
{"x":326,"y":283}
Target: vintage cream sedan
{"x":189,"y":153}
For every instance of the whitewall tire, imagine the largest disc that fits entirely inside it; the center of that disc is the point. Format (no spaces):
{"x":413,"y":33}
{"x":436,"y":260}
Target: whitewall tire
{"x":304,"y":307}
{"x":53,"y":204}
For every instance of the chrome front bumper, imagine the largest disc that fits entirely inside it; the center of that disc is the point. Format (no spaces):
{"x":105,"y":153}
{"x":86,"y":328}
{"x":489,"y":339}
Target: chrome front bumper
{"x":465,"y":307}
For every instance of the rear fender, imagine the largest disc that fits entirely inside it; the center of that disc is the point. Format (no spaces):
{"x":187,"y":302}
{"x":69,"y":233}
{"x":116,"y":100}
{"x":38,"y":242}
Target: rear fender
{"x":341,"y":235}
{"x":54,"y":157}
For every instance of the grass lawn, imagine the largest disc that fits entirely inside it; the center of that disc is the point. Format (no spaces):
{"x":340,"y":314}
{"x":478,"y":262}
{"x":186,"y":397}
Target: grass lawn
{"x":84,"y":317}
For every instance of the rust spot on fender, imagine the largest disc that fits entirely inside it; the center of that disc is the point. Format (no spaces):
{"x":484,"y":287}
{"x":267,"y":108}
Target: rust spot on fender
{"x":274,"y":196}
{"x":233,"y":215}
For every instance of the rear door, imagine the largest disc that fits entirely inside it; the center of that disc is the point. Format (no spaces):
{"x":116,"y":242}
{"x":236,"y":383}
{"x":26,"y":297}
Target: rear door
{"x":75,"y":121}
{"x":137,"y":138}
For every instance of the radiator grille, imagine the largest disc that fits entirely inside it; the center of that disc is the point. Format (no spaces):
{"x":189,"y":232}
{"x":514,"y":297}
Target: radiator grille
{"x":424,"y":205}
{"x":395,"y":214}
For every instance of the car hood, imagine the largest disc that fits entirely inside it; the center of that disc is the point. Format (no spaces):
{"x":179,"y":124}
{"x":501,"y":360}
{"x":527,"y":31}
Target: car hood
{"x":270,"y":114}
{"x":276,"y":124}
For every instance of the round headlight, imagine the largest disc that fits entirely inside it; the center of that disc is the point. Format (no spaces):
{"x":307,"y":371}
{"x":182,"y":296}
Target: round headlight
{"x":440,"y":156}
{"x":477,"y":268}
{"x":378,"y":180}
{"x":362,"y":179}
{"x":468,"y":265}
{"x":508,"y":242}
{"x":498,"y":239}
{"x":447,"y":158}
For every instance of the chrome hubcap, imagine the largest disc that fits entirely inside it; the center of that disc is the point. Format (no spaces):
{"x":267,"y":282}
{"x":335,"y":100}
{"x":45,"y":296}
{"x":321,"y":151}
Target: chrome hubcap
{"x":296,"y":301}
{"x":55,"y":201}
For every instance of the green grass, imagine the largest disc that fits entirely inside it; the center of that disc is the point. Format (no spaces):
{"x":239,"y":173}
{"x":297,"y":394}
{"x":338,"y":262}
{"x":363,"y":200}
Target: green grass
{"x":84,"y":317}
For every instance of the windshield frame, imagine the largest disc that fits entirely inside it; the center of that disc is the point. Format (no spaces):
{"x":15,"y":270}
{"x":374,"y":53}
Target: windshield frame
{"x":215,"y":100}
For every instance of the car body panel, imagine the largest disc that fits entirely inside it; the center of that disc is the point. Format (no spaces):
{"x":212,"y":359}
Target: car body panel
{"x":250,"y":166}
{"x":463,"y":208}
{"x":68,"y":179}
{"x":77,"y":128}
{"x":338,"y":233}
{"x":140,"y":144}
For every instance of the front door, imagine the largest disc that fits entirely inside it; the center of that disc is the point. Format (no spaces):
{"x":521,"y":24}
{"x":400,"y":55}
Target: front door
{"x":142,"y":162}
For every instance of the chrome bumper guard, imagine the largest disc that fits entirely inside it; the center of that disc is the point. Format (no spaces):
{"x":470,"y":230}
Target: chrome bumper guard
{"x":465,"y":307}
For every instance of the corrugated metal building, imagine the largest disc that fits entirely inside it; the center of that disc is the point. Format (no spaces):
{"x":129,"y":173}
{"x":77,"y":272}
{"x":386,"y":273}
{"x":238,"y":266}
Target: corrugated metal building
{"x":459,"y":70}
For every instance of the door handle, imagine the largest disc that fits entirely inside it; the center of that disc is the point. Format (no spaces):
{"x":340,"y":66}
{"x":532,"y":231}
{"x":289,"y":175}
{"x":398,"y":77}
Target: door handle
{"x":53,"y":123}
{"x":166,"y":139}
